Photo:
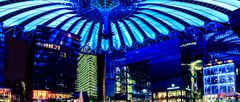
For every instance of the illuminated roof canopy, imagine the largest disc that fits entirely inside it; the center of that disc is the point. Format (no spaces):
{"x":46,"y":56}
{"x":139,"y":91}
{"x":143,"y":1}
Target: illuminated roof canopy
{"x":129,"y":22}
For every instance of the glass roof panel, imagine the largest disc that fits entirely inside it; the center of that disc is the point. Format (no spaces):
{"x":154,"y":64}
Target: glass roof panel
{"x":105,"y":44}
{"x":15,"y":20}
{"x":227,"y":4}
{"x":204,"y":11}
{"x":94,"y":38}
{"x":85,"y":33}
{"x":156,"y":1}
{"x":169,"y":21}
{"x":235,"y":3}
{"x":155,"y":24}
{"x":6,"y":9}
{"x":76,"y":28}
{"x":127,"y":38}
{"x":135,"y":31}
{"x":115,"y":38}
{"x":12,"y":8}
{"x":221,"y":4}
{"x":69,"y":23}
{"x":32,"y":25}
{"x":60,"y":20}
{"x":145,"y":28}
{"x":184,"y":16}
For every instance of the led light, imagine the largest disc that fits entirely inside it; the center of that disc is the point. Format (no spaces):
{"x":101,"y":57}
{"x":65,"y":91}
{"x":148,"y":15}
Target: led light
{"x":87,"y":75}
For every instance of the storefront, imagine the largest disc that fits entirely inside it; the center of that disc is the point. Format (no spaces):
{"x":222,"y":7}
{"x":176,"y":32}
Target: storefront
{"x":50,"y":95}
{"x":5,"y":95}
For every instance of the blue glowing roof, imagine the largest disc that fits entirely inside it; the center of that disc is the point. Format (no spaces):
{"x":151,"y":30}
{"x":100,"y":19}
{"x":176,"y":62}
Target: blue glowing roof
{"x":129,"y":22}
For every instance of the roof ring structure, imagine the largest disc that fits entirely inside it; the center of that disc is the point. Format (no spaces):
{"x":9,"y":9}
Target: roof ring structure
{"x":115,"y":24}
{"x":96,"y":9}
{"x":105,"y":4}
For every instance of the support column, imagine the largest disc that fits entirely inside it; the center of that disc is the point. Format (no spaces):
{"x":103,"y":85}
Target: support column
{"x":101,"y":78}
{"x":2,"y":54}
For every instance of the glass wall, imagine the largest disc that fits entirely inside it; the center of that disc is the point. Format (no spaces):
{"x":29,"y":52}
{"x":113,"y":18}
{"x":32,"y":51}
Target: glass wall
{"x":87,"y":75}
{"x":131,"y":84}
{"x":219,"y":79}
{"x":55,"y":54}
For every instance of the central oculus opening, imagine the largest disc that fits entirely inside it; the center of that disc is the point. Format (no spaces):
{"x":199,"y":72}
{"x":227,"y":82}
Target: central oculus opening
{"x":105,"y":4}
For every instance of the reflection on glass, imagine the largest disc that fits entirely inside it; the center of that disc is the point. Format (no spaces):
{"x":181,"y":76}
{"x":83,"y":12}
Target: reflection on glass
{"x":219,"y":79}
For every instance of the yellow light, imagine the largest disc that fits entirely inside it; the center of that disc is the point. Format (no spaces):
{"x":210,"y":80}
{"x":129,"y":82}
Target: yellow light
{"x":230,"y":61}
{"x":195,"y":65}
{"x":209,"y":64}
{"x":237,"y":71}
{"x":40,"y":94}
{"x":45,"y":94}
{"x":219,"y":62}
{"x":87,"y":75}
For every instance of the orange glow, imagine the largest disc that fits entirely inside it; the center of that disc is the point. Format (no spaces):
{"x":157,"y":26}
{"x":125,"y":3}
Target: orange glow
{"x":219,"y":62}
{"x":71,"y":36}
{"x":209,"y":64}
{"x":40,"y":94}
{"x":44,"y":94}
{"x":230,"y":61}
{"x":5,"y":92}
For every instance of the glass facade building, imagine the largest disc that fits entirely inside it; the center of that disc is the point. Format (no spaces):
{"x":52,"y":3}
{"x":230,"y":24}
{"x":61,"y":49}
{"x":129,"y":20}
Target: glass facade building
{"x":219,"y":79}
{"x":87,"y":75}
{"x":54,"y":61}
{"x":131,"y":84}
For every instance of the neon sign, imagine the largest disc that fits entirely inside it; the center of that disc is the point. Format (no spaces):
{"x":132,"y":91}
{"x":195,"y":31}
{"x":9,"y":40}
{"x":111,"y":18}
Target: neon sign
{"x":48,"y":45}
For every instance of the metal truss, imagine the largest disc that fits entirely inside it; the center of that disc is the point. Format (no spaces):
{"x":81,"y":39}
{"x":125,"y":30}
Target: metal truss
{"x":18,"y":33}
{"x":190,"y":34}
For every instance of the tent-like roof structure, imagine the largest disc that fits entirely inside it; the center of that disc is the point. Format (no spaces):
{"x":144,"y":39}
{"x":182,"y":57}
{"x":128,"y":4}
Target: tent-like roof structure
{"x":115,"y":24}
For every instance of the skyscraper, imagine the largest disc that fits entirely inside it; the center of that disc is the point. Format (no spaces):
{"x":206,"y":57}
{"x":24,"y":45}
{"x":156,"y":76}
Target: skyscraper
{"x":87,"y":75}
{"x":55,"y":54}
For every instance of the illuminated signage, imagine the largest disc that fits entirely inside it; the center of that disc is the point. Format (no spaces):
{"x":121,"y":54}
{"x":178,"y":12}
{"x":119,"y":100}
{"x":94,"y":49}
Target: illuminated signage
{"x":45,"y":94}
{"x":5,"y":92}
{"x":40,"y":94}
{"x":173,"y":87}
{"x":71,"y":36}
{"x":188,"y":89}
{"x":188,"y":44}
{"x":48,"y":45}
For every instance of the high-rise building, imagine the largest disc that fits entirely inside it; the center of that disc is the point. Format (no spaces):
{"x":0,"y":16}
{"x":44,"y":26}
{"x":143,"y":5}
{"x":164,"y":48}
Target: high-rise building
{"x":219,"y":78}
{"x":87,"y":75}
{"x":2,"y":53}
{"x":55,"y":54}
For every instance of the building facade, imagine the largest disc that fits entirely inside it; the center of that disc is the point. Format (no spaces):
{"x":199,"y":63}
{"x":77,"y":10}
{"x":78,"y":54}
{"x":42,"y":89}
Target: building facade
{"x":54,"y":61}
{"x":219,"y":78}
{"x":87,"y":75}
